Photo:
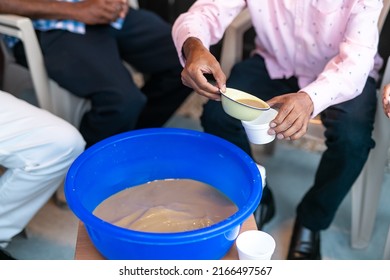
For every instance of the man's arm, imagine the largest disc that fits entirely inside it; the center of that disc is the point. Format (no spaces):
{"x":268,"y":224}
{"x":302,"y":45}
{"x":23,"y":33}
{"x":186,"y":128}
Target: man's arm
{"x":88,"y":11}
{"x":200,"y":61}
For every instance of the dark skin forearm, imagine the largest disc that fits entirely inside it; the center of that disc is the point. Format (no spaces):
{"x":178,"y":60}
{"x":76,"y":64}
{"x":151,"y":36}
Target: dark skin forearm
{"x":200,"y":61}
{"x":87,"y":11}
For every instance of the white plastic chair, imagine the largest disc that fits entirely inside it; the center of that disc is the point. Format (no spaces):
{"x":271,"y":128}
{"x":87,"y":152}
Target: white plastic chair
{"x":366,"y":190}
{"x":233,"y":41}
{"x":17,"y":79}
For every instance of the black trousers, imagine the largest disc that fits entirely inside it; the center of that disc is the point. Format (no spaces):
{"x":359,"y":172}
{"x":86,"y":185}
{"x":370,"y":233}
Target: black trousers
{"x":91,"y":66}
{"x":348,"y":138}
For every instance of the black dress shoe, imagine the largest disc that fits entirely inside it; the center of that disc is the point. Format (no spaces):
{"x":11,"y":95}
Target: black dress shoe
{"x":304,"y":244}
{"x":266,"y":209}
{"x":4,"y":255}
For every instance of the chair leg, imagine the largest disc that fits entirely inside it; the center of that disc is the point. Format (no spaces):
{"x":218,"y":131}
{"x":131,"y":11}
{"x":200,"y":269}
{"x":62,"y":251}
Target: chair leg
{"x":365,"y":197}
{"x":367,"y":188}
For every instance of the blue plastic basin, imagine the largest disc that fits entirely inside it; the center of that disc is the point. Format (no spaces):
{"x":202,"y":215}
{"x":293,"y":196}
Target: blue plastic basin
{"x":140,"y":156}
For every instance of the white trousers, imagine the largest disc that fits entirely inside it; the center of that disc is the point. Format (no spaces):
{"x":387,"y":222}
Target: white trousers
{"x":36,"y":150}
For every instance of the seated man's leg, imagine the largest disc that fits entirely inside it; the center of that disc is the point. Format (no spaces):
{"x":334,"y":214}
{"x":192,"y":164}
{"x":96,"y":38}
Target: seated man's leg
{"x":145,"y":42}
{"x":36,"y":150}
{"x":348,"y":139}
{"x":89,"y":66}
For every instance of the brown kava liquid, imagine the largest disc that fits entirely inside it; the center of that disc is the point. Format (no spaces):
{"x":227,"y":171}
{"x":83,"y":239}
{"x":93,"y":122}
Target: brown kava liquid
{"x":252,"y":102}
{"x":173,"y":205}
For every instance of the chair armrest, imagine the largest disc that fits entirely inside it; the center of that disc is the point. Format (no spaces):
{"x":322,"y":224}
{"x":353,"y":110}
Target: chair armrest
{"x":11,"y":25}
{"x":22,"y":28}
{"x":383,"y":14}
{"x":232,"y":45}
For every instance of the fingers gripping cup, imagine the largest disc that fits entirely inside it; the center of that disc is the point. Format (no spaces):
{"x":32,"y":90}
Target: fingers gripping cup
{"x":255,"y":245}
{"x":257,"y":129}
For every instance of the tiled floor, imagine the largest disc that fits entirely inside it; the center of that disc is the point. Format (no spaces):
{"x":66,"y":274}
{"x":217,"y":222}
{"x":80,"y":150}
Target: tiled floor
{"x":290,"y":170}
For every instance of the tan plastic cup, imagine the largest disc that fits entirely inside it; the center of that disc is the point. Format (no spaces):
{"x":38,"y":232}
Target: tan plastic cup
{"x":255,"y":245}
{"x":257,"y":129}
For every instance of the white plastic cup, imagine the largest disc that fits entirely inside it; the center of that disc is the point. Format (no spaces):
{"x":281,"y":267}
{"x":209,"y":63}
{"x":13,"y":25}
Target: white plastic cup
{"x":257,"y":130}
{"x":255,"y":245}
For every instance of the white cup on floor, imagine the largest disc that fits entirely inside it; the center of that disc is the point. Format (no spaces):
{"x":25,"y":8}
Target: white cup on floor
{"x":255,"y":245}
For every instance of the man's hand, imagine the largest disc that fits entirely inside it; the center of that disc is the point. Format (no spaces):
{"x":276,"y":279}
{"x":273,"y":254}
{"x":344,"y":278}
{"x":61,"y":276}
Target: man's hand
{"x":386,"y":100}
{"x":295,"y":111}
{"x":199,"y":61}
{"x":94,"y":12}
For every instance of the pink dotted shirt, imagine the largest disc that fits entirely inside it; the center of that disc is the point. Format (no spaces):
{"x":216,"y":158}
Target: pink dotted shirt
{"x":329,"y":45}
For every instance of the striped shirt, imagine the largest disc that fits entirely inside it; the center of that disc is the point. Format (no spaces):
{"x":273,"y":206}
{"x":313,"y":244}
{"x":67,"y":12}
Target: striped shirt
{"x":69,"y":25}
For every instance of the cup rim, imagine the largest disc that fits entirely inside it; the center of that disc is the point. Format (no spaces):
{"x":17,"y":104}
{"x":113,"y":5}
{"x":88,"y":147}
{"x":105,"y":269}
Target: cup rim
{"x":255,"y":126}
{"x":251,"y":124}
